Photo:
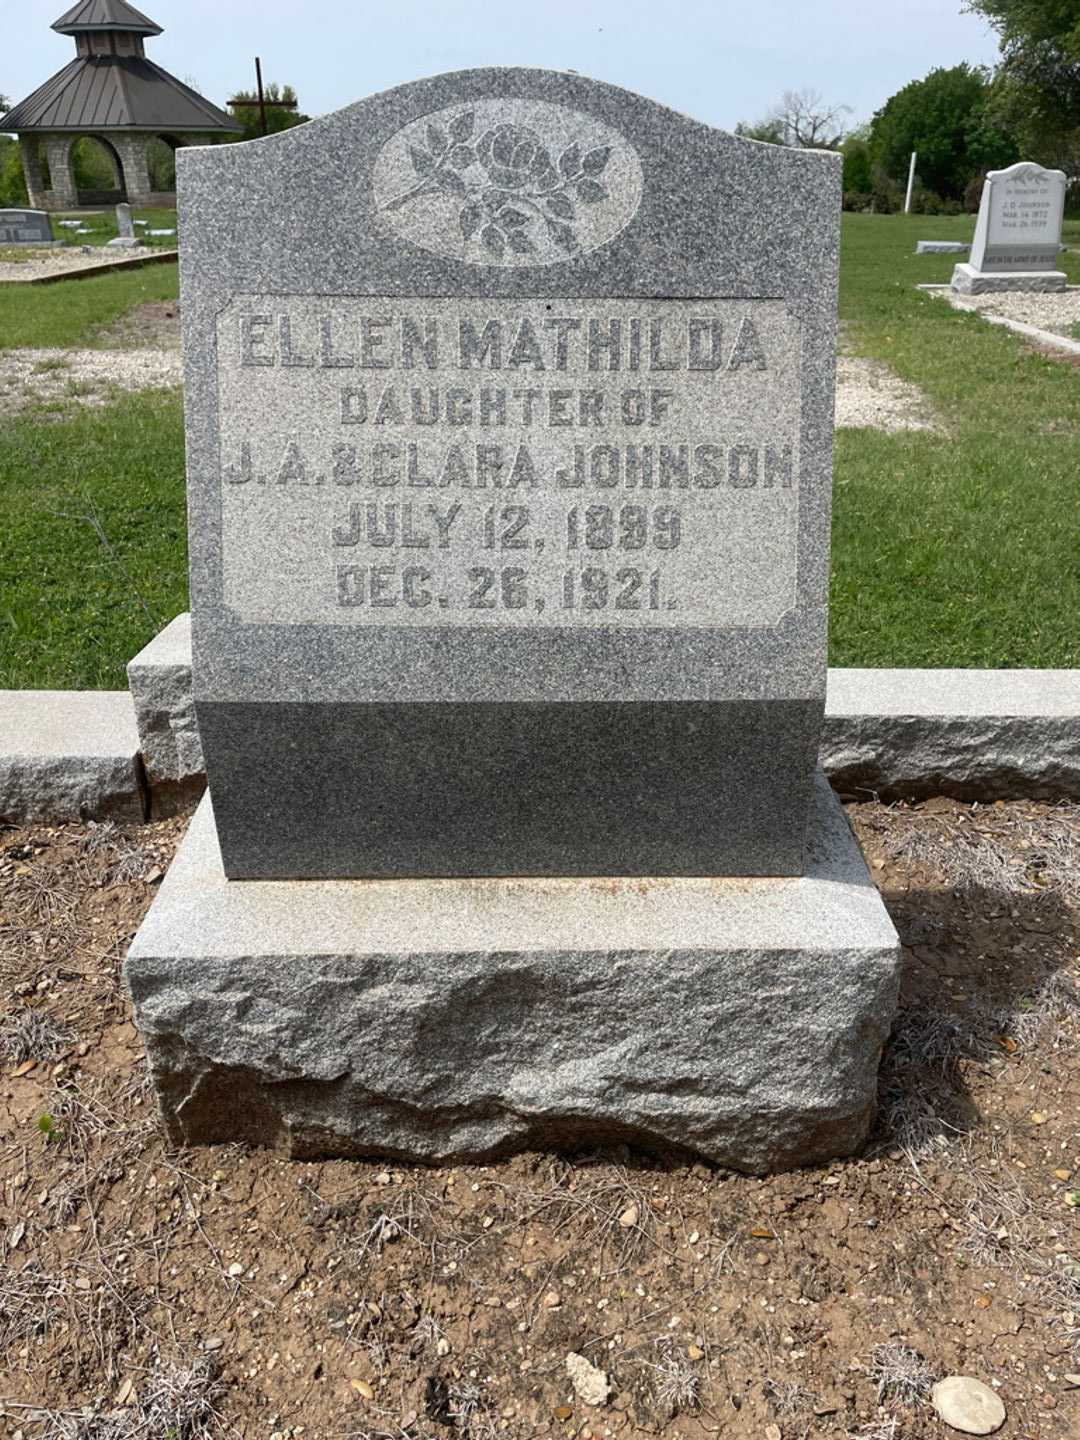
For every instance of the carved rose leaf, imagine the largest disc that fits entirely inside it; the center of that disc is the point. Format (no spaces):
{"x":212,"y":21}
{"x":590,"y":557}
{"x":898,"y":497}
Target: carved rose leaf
{"x":447,"y":180}
{"x":493,"y":239}
{"x":423,"y":163}
{"x":436,"y":139}
{"x":461,"y":127}
{"x":461,"y":157}
{"x":563,"y":235}
{"x":590,"y":191}
{"x":595,"y":160}
{"x":470,"y":218}
{"x":570,"y":160}
{"x":561,"y":205}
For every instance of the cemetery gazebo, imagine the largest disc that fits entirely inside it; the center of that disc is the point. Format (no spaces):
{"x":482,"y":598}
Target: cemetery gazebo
{"x":113,"y":94}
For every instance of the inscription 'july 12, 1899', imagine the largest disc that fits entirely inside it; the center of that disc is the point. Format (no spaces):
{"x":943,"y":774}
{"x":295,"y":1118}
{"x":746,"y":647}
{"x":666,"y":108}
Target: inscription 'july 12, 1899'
{"x":527,"y":463}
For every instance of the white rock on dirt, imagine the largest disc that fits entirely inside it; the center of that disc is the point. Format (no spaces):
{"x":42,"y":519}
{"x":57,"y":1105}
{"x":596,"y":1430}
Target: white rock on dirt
{"x":590,"y":1384}
{"x":968,"y":1405}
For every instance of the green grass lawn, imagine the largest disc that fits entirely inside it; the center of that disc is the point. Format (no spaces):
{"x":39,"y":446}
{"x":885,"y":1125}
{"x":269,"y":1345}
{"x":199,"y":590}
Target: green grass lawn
{"x":102,"y":227}
{"x":93,"y":549}
{"x":71,"y":312}
{"x":960,"y":548}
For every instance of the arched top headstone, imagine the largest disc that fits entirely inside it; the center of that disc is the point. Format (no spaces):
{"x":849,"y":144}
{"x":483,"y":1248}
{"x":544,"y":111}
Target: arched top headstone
{"x":1019,"y":223}
{"x":509,"y":397}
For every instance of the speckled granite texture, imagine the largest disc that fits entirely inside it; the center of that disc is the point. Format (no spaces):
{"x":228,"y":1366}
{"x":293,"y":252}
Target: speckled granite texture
{"x":322,"y":738}
{"x":437,"y":1020}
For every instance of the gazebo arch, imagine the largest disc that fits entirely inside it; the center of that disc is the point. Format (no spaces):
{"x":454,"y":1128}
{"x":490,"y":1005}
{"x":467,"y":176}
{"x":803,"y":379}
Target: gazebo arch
{"x":112,"y":93}
{"x":95,"y":195}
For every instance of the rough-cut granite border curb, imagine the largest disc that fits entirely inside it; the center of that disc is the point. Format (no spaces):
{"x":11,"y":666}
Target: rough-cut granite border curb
{"x":69,"y":755}
{"x":972,"y":734}
{"x":160,"y":681}
{"x":452,"y":1019}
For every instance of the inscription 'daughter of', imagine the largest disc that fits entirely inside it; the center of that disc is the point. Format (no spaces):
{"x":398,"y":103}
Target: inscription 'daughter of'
{"x":538,"y":463}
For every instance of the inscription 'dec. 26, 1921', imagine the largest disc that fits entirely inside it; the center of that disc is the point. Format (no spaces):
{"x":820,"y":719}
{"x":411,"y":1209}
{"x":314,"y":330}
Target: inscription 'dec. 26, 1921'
{"x":529,"y":463}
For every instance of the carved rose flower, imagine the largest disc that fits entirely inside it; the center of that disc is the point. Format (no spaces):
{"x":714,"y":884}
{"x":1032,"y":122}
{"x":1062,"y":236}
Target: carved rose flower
{"x":514,"y":157}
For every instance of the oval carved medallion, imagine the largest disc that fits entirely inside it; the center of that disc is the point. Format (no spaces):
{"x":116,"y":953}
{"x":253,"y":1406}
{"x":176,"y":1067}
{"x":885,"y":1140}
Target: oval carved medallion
{"x":507,"y":182}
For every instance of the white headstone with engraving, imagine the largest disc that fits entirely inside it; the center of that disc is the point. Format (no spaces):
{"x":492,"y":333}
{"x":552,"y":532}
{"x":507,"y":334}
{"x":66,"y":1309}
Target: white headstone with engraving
{"x":1017,"y":234}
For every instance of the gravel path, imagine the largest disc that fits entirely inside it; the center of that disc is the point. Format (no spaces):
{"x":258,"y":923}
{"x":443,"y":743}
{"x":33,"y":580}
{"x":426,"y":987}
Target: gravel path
{"x":40,"y":262}
{"x":1057,"y":313}
{"x":84,"y":377}
{"x":869,"y":394}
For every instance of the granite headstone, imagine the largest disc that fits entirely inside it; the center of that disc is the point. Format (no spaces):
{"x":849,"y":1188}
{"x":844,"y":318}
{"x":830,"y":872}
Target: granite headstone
{"x":1017,"y":233}
{"x":25,"y":227}
{"x":509,"y":429}
{"x":509,"y":466}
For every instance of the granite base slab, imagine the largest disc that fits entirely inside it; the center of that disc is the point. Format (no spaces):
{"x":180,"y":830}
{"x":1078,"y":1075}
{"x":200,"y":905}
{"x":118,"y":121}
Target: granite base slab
{"x":439,"y":1020}
{"x":966,"y":280}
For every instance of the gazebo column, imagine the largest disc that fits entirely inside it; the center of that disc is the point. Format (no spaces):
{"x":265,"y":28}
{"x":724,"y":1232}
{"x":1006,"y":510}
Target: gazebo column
{"x":65,"y":195}
{"x":35,"y":180}
{"x":136,"y":178}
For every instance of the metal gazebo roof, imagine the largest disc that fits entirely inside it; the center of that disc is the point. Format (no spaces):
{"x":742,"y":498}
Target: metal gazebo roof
{"x":115,"y":94}
{"x":113,"y":91}
{"x":104,"y":15}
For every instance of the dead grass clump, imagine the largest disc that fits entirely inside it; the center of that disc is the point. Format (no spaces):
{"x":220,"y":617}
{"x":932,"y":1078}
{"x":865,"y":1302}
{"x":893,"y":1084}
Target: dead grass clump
{"x":901,"y":1374}
{"x":788,"y":1398}
{"x":1039,"y":853}
{"x":31,"y":1034}
{"x":608,"y":1211}
{"x":677,"y":1385}
{"x":174,"y":1402}
{"x":31,"y":1300}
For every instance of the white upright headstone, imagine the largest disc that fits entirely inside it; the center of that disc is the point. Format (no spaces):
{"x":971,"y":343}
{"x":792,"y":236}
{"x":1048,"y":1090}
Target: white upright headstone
{"x":126,"y":230}
{"x":1018,"y":232}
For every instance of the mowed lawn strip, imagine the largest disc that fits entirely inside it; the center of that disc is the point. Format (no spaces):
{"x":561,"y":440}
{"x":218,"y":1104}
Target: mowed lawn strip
{"x":93,"y":548}
{"x":960,"y":548}
{"x":70,"y":313}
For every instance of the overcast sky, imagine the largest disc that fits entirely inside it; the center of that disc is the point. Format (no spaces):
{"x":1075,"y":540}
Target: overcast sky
{"x":716,"y":60}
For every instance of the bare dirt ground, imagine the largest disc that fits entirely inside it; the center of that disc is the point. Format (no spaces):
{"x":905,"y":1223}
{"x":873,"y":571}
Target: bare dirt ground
{"x":150,"y":1293}
{"x":29,"y":263}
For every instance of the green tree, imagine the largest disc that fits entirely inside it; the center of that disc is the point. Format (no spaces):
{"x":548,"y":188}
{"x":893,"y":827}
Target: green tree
{"x":12,"y":181}
{"x":1037,"y":88}
{"x":949,"y":118}
{"x":858,"y":164}
{"x":769,"y":131}
{"x":277,"y":118}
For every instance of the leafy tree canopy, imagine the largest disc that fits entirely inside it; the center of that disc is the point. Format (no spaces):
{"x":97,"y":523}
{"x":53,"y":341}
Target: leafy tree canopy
{"x":1037,"y":91}
{"x":277,"y":117}
{"x":948,"y":118}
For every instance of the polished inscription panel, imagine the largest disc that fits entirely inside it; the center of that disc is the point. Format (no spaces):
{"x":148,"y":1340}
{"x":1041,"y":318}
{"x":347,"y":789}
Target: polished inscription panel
{"x":509,"y":463}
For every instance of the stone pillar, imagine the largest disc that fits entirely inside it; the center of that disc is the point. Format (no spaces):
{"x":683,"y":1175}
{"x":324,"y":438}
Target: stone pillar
{"x":35,"y":180}
{"x":64,"y":195}
{"x":136,"y":177}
